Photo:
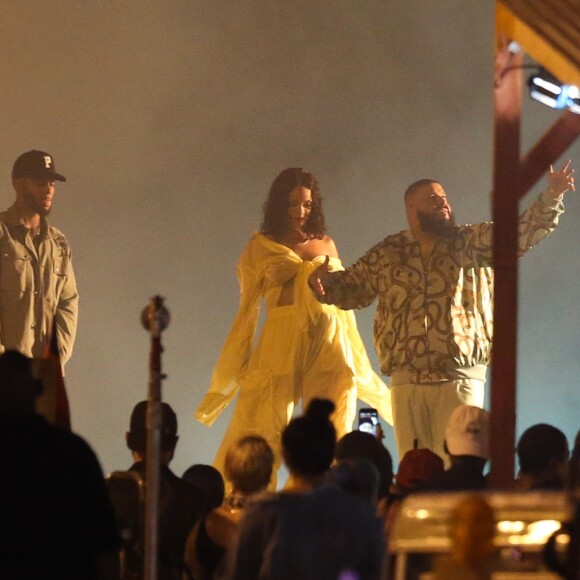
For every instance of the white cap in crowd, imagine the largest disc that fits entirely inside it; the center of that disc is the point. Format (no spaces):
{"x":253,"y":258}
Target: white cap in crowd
{"x":467,"y":432}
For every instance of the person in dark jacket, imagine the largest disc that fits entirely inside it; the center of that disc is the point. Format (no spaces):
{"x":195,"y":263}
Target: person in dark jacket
{"x":543,"y":454}
{"x":57,"y":519}
{"x":311,"y":530}
{"x":180,"y":504}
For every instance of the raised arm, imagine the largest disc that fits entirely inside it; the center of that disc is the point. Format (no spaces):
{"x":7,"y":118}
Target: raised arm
{"x":541,"y":218}
{"x":560,"y":181}
{"x":536,"y":222}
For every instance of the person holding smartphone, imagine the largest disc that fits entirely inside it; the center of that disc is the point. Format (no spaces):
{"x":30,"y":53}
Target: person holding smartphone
{"x":368,"y":422}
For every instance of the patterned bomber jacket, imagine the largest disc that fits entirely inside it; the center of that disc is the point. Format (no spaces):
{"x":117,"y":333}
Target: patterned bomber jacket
{"x":434,"y":323}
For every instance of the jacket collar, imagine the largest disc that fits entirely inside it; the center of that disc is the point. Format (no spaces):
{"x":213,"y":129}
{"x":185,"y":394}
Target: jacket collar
{"x":13,"y":220}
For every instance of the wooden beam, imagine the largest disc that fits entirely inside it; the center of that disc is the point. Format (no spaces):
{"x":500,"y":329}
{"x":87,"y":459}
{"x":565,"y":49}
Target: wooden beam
{"x":548,"y":149}
{"x":507,"y":98}
{"x":549,"y":37}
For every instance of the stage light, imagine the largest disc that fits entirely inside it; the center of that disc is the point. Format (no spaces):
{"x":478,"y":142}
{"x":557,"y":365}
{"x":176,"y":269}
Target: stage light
{"x":547,"y":89}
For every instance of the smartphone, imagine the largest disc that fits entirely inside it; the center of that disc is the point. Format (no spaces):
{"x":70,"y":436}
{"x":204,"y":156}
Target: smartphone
{"x":368,"y":421}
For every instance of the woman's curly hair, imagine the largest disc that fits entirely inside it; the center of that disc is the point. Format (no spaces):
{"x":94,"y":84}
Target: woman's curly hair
{"x":276,"y":221}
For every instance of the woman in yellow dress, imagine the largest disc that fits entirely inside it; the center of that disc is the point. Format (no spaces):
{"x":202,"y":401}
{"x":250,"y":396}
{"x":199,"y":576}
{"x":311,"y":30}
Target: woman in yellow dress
{"x":306,"y":349}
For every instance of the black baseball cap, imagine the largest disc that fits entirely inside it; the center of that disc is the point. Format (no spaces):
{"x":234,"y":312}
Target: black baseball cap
{"x":37,"y":165}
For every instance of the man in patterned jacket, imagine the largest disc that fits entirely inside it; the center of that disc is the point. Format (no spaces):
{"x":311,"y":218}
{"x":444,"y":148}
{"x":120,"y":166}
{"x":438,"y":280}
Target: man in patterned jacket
{"x":434,"y":320}
{"x":37,"y":284}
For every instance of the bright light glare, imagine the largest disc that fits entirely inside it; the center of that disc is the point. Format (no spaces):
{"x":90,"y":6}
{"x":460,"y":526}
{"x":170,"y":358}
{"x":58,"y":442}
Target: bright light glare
{"x":536,"y":534}
{"x":563,"y":539}
{"x":546,"y":100}
{"x":541,"y":530}
{"x":544,"y":84}
{"x":508,"y":527}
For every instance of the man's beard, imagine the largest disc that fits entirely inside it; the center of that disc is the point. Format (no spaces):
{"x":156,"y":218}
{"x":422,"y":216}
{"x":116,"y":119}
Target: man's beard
{"x":35,"y":205}
{"x":437,"y":224}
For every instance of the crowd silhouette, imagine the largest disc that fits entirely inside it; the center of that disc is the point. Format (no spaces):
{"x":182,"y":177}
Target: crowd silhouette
{"x":333,"y":518}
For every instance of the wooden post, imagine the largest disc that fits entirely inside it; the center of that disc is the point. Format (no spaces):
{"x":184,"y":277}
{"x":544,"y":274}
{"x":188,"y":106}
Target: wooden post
{"x":548,"y":149}
{"x":507,"y":97}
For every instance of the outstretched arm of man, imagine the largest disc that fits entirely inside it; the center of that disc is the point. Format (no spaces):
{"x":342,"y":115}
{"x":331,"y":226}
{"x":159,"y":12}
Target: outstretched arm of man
{"x":560,"y":181}
{"x":354,"y":287}
{"x":541,"y":218}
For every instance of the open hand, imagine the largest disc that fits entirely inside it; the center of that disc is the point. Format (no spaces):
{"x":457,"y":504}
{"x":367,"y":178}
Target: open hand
{"x":318,"y":278}
{"x":560,"y":181}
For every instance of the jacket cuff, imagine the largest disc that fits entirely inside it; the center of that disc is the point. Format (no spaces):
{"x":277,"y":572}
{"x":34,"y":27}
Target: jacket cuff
{"x":550,"y":202}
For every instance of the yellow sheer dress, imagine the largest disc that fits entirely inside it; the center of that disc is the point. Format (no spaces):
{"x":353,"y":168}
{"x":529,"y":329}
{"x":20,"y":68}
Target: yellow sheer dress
{"x":305,"y":350}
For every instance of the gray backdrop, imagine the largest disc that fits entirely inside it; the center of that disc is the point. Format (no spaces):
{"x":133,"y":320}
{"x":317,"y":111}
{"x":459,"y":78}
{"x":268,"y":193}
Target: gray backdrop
{"x":170,"y":120}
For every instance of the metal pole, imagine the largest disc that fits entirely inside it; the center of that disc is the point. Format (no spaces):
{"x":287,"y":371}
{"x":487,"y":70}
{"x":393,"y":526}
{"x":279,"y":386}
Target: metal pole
{"x":155,"y":319}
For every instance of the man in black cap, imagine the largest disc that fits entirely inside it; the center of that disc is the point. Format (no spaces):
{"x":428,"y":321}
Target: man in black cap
{"x":180,"y":504}
{"x":38,"y":290}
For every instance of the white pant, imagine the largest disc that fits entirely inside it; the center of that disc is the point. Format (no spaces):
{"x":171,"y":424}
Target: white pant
{"x":421,"y":411}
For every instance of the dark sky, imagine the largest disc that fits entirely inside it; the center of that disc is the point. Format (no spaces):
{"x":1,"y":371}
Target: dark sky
{"x":171,"y":119}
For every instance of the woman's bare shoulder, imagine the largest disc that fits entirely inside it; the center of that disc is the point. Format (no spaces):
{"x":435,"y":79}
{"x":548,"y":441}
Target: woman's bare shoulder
{"x":326,"y":247}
